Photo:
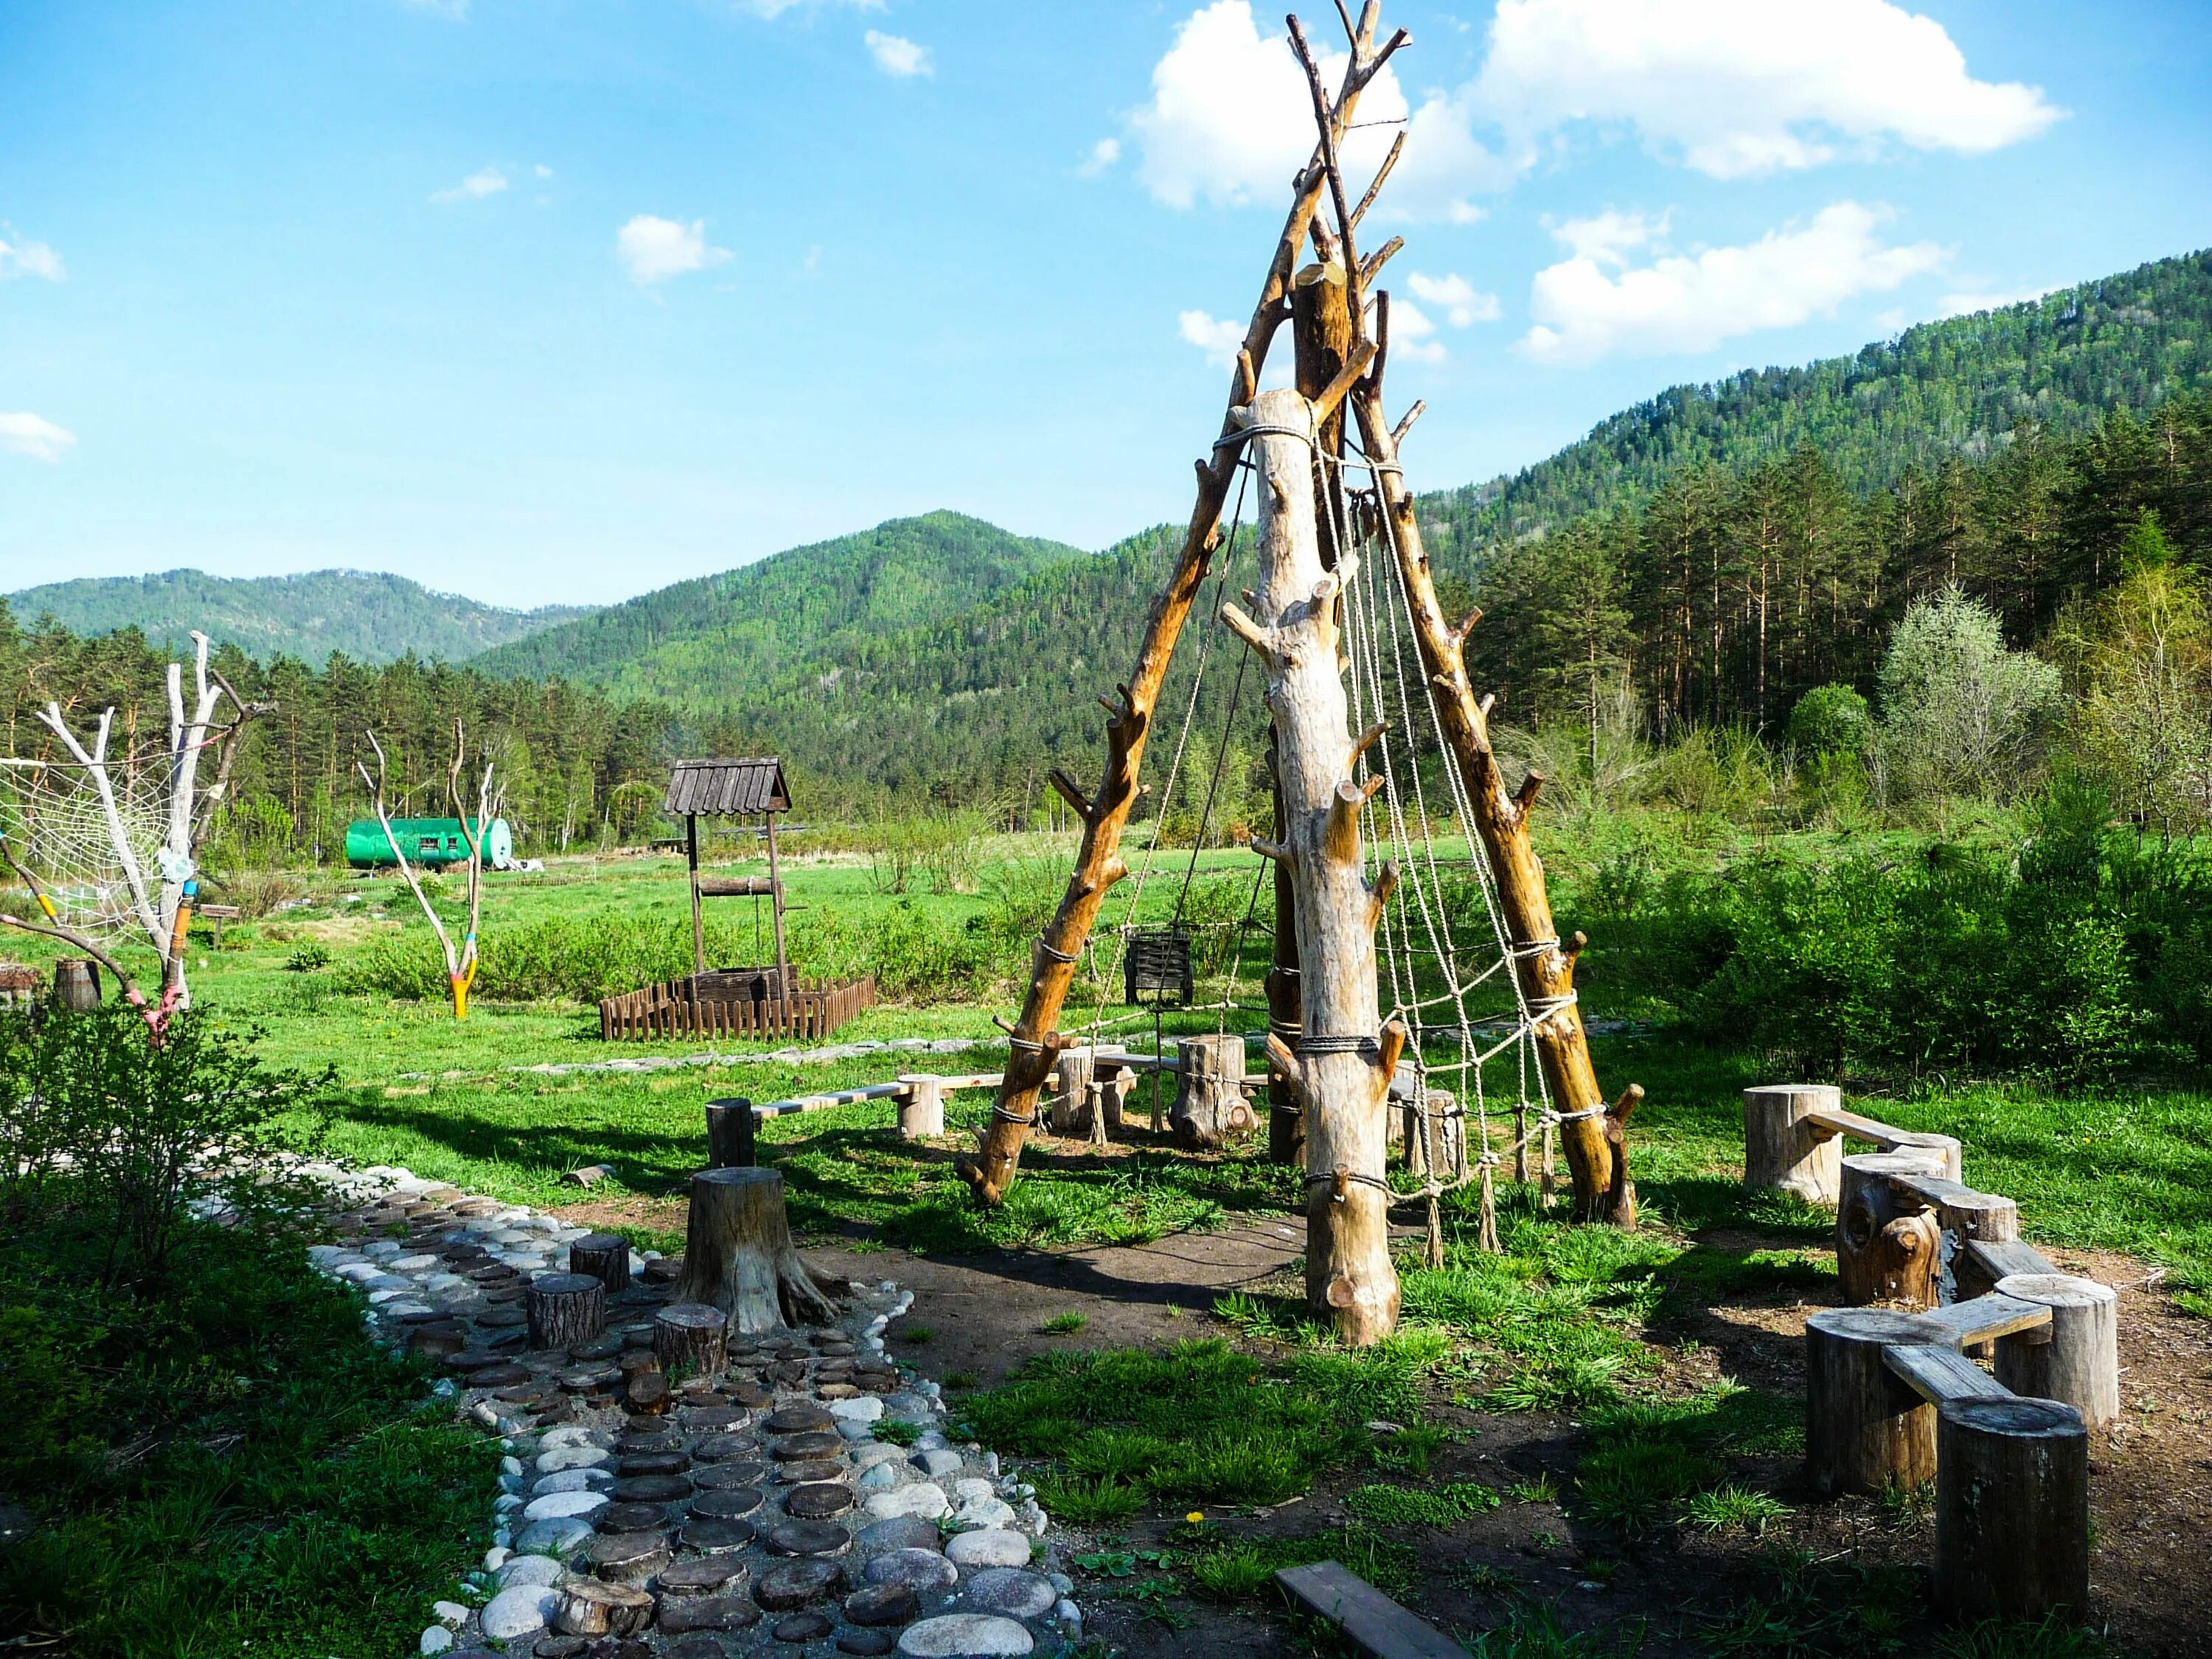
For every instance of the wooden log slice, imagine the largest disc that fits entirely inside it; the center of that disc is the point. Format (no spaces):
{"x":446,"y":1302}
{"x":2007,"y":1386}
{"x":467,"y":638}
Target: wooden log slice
{"x":2075,"y":1360}
{"x":730,"y":1125}
{"x":1210,"y":1104}
{"x":688,"y":1338}
{"x":603,"y":1256}
{"x":2012,"y":1509}
{"x":1781,"y":1153}
{"x":563,"y":1309}
{"x":1864,"y":1428}
{"x":921,"y":1108}
{"x":1887,"y":1245}
{"x":1069,"y":1107}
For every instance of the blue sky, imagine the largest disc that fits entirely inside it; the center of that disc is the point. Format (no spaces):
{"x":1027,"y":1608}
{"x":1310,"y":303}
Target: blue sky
{"x":559,"y":300}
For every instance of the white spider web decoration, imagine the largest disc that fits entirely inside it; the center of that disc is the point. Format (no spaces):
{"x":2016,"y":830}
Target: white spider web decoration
{"x":58,"y":831}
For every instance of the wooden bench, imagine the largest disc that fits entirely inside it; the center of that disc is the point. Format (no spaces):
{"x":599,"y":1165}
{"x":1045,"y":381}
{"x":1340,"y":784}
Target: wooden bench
{"x":1793,"y":1136}
{"x":1371,"y":1621}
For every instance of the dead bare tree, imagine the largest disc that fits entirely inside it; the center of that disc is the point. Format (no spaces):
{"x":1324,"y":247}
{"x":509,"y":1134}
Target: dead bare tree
{"x":460,"y":964}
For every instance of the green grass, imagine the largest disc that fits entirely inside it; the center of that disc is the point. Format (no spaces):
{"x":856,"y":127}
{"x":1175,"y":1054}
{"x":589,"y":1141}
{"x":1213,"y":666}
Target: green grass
{"x":1065,"y":1324}
{"x":1443,"y":1505}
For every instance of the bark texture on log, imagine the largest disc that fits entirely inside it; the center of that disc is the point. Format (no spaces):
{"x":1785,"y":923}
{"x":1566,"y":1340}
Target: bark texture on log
{"x":691,"y":1336}
{"x":2012,"y":1509}
{"x":921,"y":1110}
{"x":564,"y":1308}
{"x":738,"y":1257}
{"x":2076,"y":1358}
{"x":1070,"y":1111}
{"x":603,"y":1256}
{"x":1286,"y":1135}
{"x":1887,"y":1242}
{"x":1098,"y":866}
{"x":1210,"y":1103}
{"x":1864,"y":1428}
{"x":1594,"y":1135}
{"x":730,"y":1134}
{"x":1341,"y":1075}
{"x":1781,"y":1152}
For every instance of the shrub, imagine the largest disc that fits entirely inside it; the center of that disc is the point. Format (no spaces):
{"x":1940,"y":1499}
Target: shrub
{"x":1961,"y":714}
{"x":1830,"y":719}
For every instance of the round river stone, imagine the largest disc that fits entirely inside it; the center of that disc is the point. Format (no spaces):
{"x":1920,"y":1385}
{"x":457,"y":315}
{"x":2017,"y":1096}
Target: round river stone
{"x":802,"y":1627}
{"x":902,"y":1531}
{"x":917,"y":1569}
{"x":883,"y":1604}
{"x":1013,"y":1591}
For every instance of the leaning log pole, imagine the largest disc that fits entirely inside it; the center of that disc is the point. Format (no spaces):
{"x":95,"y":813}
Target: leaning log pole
{"x":1035,"y":1038}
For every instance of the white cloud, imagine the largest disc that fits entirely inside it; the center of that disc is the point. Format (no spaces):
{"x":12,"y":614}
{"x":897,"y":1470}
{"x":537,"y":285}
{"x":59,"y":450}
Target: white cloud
{"x":1219,"y":339}
{"x":1967,"y":303}
{"x":1747,"y":87}
{"x":1692,"y":303}
{"x":1099,"y":157}
{"x":41,"y":440}
{"x":25,"y":257}
{"x":1459,"y":300}
{"x":1413,"y":335}
{"x":1608,"y":238}
{"x":772,"y":10}
{"x":543,"y":171}
{"x":656,"y":249}
{"x":896,"y":56}
{"x":487,"y":181}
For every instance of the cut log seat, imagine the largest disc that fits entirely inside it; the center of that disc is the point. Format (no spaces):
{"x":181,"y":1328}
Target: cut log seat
{"x":1828,"y":1121}
{"x":1936,"y":1373}
{"x":1984,"y":1319}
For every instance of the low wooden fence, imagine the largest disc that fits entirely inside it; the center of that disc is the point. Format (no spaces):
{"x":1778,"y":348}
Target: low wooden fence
{"x":671,"y":1009}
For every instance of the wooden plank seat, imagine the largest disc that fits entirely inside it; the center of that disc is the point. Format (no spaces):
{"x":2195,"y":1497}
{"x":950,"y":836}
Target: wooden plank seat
{"x":1829,"y":1121}
{"x":1986,"y":1318}
{"x":1936,"y":1373}
{"x":1371,"y":1621}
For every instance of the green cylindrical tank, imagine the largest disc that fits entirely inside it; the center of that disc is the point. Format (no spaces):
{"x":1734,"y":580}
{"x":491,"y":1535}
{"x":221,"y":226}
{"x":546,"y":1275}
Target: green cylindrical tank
{"x":429,"y":843}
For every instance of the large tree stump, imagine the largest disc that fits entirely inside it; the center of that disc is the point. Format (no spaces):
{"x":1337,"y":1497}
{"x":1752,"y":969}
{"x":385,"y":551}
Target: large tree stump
{"x":738,"y":1257}
{"x":2076,"y":1359}
{"x":1070,"y":1107}
{"x":1887,"y":1249}
{"x":1781,"y":1153}
{"x":922,"y":1108}
{"x":1864,"y":1428}
{"x":1210,"y":1104}
{"x":564,"y":1309}
{"x":2012,"y":1509}
{"x":730,"y":1130}
{"x":689,"y":1336}
{"x":603,"y":1256}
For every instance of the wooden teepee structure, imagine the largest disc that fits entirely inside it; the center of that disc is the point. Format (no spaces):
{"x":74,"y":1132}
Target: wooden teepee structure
{"x":1337,"y":1072}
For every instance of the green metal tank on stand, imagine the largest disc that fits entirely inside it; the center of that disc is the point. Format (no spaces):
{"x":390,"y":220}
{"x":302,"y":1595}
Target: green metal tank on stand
{"x":429,"y":843}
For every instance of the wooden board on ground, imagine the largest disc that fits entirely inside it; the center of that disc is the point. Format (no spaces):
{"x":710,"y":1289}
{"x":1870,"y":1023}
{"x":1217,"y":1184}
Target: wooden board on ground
{"x":1371,"y":1621}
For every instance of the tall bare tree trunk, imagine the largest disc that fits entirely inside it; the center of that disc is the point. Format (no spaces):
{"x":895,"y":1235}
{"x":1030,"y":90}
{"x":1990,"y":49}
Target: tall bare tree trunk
{"x":1342,"y":1071}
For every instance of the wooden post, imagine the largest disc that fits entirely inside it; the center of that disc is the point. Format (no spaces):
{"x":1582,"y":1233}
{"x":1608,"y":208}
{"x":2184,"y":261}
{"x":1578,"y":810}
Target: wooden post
{"x":689,"y":1334}
{"x":2075,"y":1359}
{"x":737,"y":1254}
{"x":1069,"y":1112}
{"x":603,"y":1256}
{"x":698,"y":917}
{"x":921,"y":1108}
{"x":731,"y":1142}
{"x":1863,"y":1427}
{"x":2012,"y":1509}
{"x":1780,"y":1154}
{"x":1210,"y":1104}
{"x":1098,"y":864}
{"x":76,"y":984}
{"x":1887,"y":1249}
{"x":564,"y":1308}
{"x":1341,"y":1073}
{"x":775,"y":907}
{"x":1286,"y":1135}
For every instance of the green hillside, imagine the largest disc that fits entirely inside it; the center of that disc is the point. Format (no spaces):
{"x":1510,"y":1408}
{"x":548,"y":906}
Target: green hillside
{"x":708,"y":641}
{"x":370,"y":617}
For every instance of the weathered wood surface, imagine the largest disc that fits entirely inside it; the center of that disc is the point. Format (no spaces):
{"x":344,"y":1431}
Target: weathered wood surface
{"x":2076,"y":1359}
{"x":1099,"y":863}
{"x":1985,"y":1319}
{"x":736,"y":887}
{"x":922,"y":1108}
{"x":671,"y":1009}
{"x":1830,"y":1122}
{"x":1209,"y":1104}
{"x":1783,"y":1152}
{"x":1936,"y":1373}
{"x":1864,"y":1428}
{"x":1070,"y":1108}
{"x":1371,"y":1621}
{"x":1983,"y":1262}
{"x":730,"y":1134}
{"x":739,"y":1256}
{"x":691,"y":1336}
{"x":603,"y":1256}
{"x":2012,"y":1509}
{"x":564,"y":1308}
{"x":1887,"y":1242}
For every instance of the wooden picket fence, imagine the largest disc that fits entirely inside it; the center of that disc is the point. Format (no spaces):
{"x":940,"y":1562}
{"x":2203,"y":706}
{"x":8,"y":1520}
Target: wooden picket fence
{"x":669,"y":1009}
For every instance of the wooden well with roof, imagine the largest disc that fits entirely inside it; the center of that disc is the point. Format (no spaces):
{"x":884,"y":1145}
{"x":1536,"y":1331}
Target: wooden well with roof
{"x":765,"y":999}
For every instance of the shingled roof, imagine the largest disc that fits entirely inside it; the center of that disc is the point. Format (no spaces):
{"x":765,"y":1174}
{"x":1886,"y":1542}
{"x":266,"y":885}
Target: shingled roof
{"x":706,"y":787}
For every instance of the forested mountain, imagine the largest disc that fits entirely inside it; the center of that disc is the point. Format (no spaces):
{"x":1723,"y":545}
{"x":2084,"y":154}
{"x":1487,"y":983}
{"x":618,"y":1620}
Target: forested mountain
{"x":370,"y":616}
{"x":706,"y":641}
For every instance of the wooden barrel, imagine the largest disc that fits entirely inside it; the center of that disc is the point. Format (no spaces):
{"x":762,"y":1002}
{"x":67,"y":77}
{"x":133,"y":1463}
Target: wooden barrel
{"x":77,"y":983}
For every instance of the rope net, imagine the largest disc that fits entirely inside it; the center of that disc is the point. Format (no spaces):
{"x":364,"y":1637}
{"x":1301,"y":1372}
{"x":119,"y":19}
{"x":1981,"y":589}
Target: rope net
{"x":58,"y":831}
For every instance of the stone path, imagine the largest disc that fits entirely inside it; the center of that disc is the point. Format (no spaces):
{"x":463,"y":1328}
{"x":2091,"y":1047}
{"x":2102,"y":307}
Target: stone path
{"x":828,"y":1056}
{"x":758,"y":1510}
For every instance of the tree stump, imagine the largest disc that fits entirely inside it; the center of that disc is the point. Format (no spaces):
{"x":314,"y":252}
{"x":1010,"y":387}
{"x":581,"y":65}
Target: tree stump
{"x":689,"y":1336}
{"x":1885,"y":1250}
{"x":921,"y":1108}
{"x":1863,"y":1428}
{"x":1070,"y":1108}
{"x":738,"y":1255}
{"x":603,"y":1256}
{"x":564,"y":1309}
{"x":1210,"y":1104}
{"x":2012,"y":1509}
{"x":1781,"y":1154}
{"x":2076,"y":1358}
{"x":730,"y":1134}
{"x":76,"y":984}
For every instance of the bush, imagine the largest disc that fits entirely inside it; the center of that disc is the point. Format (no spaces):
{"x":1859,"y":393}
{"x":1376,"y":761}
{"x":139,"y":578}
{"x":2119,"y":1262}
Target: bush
{"x":1960,"y":713}
{"x":1830,"y":719}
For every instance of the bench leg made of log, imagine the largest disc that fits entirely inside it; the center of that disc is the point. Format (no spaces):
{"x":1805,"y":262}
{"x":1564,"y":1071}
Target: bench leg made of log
{"x":1864,"y":1429}
{"x":1068,"y":1105}
{"x":603,"y":1256}
{"x":1210,"y":1104}
{"x":2075,"y":1359}
{"x":2012,"y":1509}
{"x":921,"y":1108}
{"x":1781,"y":1153}
{"x":739,"y":1256}
{"x":730,"y":1141}
{"x":564,"y":1309}
{"x":1886,"y":1251}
